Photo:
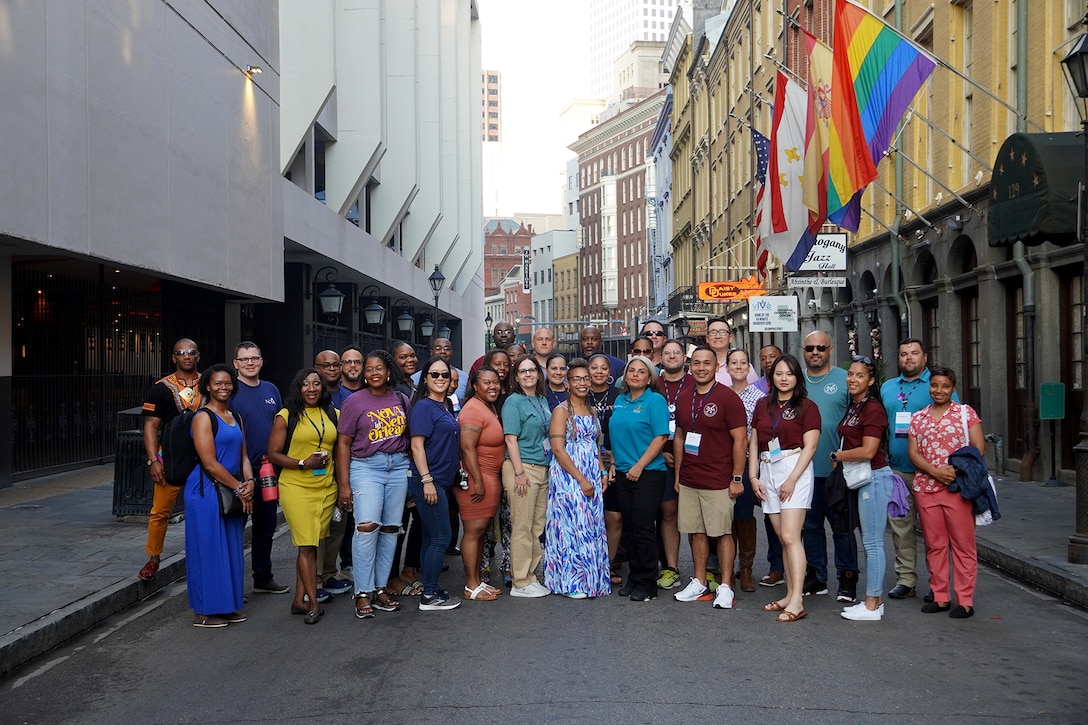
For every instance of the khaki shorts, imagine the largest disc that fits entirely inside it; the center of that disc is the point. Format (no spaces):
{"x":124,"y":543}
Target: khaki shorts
{"x":702,"y":511}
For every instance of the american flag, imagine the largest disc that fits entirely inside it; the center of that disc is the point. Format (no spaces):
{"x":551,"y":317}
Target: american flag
{"x":763,"y":152}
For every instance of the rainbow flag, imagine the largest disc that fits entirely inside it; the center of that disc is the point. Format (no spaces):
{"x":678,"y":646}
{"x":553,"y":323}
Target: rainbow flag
{"x":886,"y":71}
{"x":837,"y":137}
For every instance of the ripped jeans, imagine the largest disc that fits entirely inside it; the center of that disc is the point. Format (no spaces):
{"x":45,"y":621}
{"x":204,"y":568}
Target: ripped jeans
{"x":379,"y":485}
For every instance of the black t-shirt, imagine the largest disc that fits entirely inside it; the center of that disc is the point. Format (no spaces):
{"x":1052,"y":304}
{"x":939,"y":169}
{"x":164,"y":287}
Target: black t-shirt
{"x":168,"y":397}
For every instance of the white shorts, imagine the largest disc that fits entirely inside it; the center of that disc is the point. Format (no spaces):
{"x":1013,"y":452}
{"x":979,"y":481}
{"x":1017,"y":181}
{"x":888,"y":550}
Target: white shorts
{"x":773,"y":474}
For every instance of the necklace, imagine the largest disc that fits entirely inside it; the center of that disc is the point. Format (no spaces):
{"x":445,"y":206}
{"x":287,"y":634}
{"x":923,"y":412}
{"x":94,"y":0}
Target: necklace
{"x":816,"y":382}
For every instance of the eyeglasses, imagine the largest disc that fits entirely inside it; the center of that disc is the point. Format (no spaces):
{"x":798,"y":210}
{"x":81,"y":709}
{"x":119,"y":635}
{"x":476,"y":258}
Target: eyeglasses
{"x":717,"y":333}
{"x":351,"y":362}
{"x":190,"y":353}
{"x":860,"y":359}
{"x":371,"y":371}
{"x":328,"y":366}
{"x":526,"y":370}
{"x":642,"y":352}
{"x":653,"y":333}
{"x":821,"y":348}
{"x":579,"y":379}
{"x":244,"y":360}
{"x":436,"y":375}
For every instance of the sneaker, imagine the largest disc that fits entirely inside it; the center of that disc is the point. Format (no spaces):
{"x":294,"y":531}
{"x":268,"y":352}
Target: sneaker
{"x":691,"y":592}
{"x":576,"y":595}
{"x":860,"y":613}
{"x":669,"y":578}
{"x":529,"y":591}
{"x":271,"y":587}
{"x":712,"y":581}
{"x":848,"y":587}
{"x":322,"y":596}
{"x":337,"y":586}
{"x":640,"y":595}
{"x":901,"y":591}
{"x":437,"y":602}
{"x":773,"y":579}
{"x":813,"y":585}
{"x":724,"y":598}
{"x":543,"y":590}
{"x":208,"y":622}
{"x":626,"y":590}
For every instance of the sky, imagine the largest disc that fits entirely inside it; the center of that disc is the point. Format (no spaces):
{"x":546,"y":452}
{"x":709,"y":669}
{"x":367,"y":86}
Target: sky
{"x":541,"y":50}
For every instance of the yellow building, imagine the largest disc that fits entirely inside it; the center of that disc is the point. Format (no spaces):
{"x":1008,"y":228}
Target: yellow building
{"x":567,"y":310}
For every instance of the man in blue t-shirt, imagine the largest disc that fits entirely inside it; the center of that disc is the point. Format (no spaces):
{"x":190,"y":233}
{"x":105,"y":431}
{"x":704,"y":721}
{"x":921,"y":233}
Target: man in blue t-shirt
{"x":902,"y":397}
{"x":827,"y":388}
{"x":257,"y":402}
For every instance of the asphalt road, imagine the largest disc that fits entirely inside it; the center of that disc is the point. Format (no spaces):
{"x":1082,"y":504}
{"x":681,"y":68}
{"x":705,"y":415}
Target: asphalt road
{"x":1022,"y":657}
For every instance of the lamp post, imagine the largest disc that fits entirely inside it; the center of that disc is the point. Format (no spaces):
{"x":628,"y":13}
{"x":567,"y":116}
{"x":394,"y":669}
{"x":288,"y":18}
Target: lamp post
{"x":331,"y":299}
{"x":487,"y":331}
{"x":436,"y":280}
{"x":1075,"y":65}
{"x":683,"y":327}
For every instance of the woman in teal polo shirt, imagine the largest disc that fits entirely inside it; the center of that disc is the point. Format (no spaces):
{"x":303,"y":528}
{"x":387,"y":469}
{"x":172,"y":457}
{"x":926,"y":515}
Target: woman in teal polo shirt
{"x":638,"y":429}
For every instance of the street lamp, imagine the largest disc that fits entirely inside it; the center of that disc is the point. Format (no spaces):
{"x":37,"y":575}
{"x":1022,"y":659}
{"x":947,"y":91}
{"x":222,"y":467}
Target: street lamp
{"x":373,"y":313}
{"x":331,"y":299}
{"x":683,"y":327}
{"x":404,"y":320}
{"x":1075,"y":65}
{"x":487,"y":331}
{"x":436,"y":280}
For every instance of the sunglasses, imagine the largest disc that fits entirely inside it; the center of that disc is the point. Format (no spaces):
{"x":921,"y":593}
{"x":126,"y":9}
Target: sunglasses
{"x":654,"y":333}
{"x":642,"y":352}
{"x":436,"y":375}
{"x":821,"y":348}
{"x":190,"y":353}
{"x":860,"y":359}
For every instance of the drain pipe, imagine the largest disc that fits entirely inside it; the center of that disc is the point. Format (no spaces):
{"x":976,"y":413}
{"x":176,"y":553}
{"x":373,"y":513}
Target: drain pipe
{"x":1031,"y":445}
{"x":898,"y":293}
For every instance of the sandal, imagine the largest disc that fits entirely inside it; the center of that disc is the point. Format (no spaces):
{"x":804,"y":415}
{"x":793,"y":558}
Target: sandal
{"x":381,"y":600}
{"x":480,"y":593}
{"x":788,"y":616}
{"x":492,"y":589}
{"x":773,"y":607}
{"x":363,"y":609}
{"x":302,"y":610}
{"x":150,"y":569}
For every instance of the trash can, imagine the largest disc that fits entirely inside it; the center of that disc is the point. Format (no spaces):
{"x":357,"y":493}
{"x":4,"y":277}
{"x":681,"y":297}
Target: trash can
{"x":133,"y":492}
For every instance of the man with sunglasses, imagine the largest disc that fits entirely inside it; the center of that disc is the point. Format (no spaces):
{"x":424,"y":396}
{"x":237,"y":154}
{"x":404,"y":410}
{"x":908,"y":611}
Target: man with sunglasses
{"x":654,"y":331}
{"x":826,"y":385}
{"x":167,"y":399}
{"x":257,"y":401}
{"x":589,"y":340}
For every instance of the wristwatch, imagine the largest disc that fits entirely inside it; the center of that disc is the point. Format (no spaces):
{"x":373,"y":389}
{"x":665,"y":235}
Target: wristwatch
{"x":301,"y":464}
{"x":150,"y":462}
{"x":834,"y":455}
{"x":738,"y":479}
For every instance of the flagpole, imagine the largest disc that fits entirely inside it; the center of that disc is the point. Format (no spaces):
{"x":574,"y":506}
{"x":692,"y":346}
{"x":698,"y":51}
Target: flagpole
{"x":878,"y":221}
{"x":939,"y":183}
{"x":905,"y":205}
{"x":941,"y":131}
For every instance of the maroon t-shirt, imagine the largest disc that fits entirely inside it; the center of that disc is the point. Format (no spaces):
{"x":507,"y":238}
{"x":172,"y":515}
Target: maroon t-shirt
{"x":788,"y":424}
{"x":712,"y":415}
{"x":867,"y":419}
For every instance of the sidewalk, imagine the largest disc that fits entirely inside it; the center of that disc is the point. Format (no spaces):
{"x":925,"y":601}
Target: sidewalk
{"x":67,"y":563}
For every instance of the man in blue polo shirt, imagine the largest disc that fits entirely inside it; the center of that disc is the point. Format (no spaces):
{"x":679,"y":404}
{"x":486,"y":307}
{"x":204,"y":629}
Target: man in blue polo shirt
{"x":904,"y":396}
{"x":257,"y":402}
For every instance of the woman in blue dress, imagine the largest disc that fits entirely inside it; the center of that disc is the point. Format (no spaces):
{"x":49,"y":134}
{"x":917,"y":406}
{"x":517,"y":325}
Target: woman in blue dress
{"x":576,"y":551}
{"x":214,"y":560}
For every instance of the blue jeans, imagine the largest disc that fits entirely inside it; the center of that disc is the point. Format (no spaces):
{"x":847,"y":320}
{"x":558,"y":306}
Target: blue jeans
{"x":873,"y":512}
{"x":436,"y":531}
{"x":379,"y":485}
{"x":815,"y":540}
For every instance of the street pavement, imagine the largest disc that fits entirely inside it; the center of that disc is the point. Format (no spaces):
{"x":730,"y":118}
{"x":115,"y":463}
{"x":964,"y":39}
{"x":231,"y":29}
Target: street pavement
{"x":68,"y":565}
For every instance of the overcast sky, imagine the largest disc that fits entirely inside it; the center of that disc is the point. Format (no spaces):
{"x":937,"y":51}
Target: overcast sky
{"x":540,"y":48}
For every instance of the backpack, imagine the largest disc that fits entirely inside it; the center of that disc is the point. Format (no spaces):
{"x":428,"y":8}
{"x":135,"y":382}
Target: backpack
{"x":179,"y":456}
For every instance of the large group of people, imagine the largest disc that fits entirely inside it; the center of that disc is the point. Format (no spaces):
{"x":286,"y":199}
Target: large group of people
{"x":575,"y":470}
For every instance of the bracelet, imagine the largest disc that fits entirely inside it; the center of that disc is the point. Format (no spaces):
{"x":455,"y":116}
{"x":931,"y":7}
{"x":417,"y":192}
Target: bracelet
{"x":430,"y":482}
{"x":516,"y":474}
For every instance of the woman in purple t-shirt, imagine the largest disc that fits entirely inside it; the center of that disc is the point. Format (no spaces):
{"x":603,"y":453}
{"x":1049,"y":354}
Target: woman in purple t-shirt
{"x":372,"y":477}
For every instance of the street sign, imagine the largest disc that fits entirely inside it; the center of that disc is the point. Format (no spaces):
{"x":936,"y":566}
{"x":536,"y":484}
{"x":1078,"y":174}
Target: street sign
{"x":526,"y":283}
{"x":816,"y":281}
{"x":1051,"y":401}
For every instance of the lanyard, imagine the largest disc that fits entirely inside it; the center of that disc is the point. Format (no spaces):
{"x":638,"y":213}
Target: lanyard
{"x":699,"y":407}
{"x":904,"y":398}
{"x":775,"y":421}
{"x":668,"y":393}
{"x":536,"y":408}
{"x":558,"y":400}
{"x":321,"y":434}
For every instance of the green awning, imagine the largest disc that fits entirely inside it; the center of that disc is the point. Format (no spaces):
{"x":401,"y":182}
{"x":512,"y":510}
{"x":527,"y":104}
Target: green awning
{"x":1033,"y":191}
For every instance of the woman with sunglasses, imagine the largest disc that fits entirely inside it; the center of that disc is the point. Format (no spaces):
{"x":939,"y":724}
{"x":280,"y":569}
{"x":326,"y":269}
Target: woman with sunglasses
{"x":785,"y":433}
{"x":372,"y":477}
{"x":744,"y":517}
{"x":525,"y":420}
{"x":654,"y":331}
{"x":575,"y":551}
{"x":555,"y":385}
{"x":436,"y":458}
{"x":483,"y":448}
{"x":862,"y":433}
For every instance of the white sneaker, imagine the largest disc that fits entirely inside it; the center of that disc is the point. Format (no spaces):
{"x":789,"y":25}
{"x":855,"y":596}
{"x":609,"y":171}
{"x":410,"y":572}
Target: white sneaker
{"x":691,"y":592}
{"x":723,"y":599}
{"x":529,"y":591}
{"x":576,"y":595}
{"x":542,"y":591}
{"x":860,"y":613}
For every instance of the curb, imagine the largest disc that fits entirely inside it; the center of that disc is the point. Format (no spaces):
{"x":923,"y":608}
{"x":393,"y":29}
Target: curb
{"x":38,"y":637}
{"x":1033,"y":571}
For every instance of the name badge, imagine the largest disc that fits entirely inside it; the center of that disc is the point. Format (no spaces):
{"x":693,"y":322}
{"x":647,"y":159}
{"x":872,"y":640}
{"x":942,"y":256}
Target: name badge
{"x":691,"y":443}
{"x":902,"y":424}
{"x":319,"y":471}
{"x":456,"y":403}
{"x":672,"y":429}
{"x":547,"y":446}
{"x":774,"y":450}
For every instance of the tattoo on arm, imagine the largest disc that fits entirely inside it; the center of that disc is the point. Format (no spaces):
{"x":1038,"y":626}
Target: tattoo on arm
{"x":472,"y":428}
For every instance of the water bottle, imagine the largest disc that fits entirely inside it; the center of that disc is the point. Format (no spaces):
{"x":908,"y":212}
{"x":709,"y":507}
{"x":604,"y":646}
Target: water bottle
{"x":270,"y":490}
